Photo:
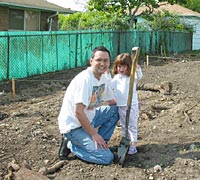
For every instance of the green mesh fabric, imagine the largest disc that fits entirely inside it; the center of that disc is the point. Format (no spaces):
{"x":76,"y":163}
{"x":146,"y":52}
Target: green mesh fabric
{"x":23,"y":54}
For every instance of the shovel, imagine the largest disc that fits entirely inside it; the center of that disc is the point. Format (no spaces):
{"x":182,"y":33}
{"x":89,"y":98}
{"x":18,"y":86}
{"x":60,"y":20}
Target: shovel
{"x":125,"y":141}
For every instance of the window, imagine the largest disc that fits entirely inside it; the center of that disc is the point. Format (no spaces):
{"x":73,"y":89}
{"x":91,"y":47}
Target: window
{"x":24,"y":20}
{"x":16,"y":19}
{"x":32,"y":21}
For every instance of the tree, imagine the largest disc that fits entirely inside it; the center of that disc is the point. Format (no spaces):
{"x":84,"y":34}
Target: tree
{"x":164,"y":21}
{"x":124,"y":8}
{"x":92,"y":20}
{"x":112,"y":14}
{"x":192,"y":4}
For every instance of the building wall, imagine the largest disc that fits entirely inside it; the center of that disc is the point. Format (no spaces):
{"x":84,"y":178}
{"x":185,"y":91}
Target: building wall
{"x":194,"y":22}
{"x":44,"y":26}
{"x":43,"y":21}
{"x":4,"y":18}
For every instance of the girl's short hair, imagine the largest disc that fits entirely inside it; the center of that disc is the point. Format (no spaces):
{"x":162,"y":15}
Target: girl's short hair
{"x":122,"y":59}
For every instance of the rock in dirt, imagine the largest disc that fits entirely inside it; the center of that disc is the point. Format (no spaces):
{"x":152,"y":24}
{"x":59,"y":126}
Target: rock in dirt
{"x":24,"y":174}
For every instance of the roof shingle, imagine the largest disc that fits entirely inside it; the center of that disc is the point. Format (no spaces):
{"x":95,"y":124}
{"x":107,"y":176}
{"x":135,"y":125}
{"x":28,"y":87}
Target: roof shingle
{"x":35,"y":4}
{"x":175,"y":9}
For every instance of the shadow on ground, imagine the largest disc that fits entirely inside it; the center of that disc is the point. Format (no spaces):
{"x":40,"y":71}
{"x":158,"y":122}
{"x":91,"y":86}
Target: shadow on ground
{"x":151,"y":155}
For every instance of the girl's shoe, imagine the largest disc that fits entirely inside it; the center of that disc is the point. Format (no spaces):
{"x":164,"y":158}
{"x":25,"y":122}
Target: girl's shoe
{"x":132,"y":150}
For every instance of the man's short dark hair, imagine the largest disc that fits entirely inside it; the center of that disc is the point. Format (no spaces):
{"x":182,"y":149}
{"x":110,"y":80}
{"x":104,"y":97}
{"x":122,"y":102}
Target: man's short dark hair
{"x":100,"y":48}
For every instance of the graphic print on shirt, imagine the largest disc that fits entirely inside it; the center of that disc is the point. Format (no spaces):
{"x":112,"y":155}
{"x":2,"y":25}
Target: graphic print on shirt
{"x":97,"y":95}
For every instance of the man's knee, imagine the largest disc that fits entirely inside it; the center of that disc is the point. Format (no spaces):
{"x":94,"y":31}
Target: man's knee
{"x":114,"y":110}
{"x":107,"y":158}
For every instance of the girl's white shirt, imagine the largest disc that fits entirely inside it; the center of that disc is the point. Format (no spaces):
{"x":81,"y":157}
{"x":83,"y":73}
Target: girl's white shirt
{"x":120,"y":85}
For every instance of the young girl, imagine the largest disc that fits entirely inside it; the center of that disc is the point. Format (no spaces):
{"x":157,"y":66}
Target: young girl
{"x":120,"y":84}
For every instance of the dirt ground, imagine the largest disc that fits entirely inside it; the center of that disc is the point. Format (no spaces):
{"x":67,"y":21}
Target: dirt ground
{"x":169,"y":128}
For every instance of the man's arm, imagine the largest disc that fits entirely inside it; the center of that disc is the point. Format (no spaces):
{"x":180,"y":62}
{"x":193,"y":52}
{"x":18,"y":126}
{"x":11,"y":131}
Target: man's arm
{"x":85,"y":123}
{"x":111,"y":102}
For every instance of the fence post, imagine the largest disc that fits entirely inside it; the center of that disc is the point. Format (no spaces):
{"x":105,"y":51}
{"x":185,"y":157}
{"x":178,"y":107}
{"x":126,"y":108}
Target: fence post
{"x":147,"y":61}
{"x":13,"y":88}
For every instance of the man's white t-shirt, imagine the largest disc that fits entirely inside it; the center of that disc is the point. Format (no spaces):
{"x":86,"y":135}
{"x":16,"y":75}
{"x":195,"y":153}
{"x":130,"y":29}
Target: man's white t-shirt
{"x":86,"y":89}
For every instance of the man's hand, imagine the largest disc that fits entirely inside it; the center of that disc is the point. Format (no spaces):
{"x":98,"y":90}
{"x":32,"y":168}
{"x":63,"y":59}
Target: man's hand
{"x":99,"y":141}
{"x":80,"y":114}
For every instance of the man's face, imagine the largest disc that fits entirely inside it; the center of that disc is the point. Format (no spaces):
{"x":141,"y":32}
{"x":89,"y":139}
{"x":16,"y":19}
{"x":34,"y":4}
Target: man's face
{"x":100,"y":62}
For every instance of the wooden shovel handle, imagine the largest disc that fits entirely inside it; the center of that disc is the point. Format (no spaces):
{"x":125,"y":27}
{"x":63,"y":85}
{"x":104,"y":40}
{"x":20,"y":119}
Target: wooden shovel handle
{"x":134,"y":58}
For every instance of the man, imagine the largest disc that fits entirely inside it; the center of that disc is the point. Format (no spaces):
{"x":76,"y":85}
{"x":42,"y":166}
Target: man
{"x":85,"y":124}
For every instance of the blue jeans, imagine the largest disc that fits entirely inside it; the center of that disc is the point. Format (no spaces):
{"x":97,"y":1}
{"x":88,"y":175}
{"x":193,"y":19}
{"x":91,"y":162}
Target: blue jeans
{"x":81,"y":144}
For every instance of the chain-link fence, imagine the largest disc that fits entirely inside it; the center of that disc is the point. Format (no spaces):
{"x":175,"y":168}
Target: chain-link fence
{"x":23,"y":54}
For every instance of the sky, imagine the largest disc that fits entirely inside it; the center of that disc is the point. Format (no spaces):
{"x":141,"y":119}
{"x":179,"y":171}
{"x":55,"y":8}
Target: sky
{"x":78,"y":5}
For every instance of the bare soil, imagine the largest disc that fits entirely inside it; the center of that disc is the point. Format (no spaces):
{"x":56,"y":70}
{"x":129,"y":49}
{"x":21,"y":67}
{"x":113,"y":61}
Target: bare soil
{"x":169,"y":128}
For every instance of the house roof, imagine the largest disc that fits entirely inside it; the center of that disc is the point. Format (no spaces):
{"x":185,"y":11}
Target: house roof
{"x":175,"y":9}
{"x":35,"y":4}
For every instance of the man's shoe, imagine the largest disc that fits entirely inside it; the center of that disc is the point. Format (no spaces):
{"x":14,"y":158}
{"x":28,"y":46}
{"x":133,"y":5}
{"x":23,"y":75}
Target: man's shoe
{"x":64,"y":151}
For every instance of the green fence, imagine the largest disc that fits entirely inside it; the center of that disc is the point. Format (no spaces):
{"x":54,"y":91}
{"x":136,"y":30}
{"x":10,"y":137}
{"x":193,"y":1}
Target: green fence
{"x":23,"y":54}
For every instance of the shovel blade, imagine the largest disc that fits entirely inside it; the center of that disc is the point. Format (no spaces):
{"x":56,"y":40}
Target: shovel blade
{"x":122,"y":150}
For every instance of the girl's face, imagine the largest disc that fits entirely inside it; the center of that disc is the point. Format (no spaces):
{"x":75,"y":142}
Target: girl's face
{"x":122,"y":69}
